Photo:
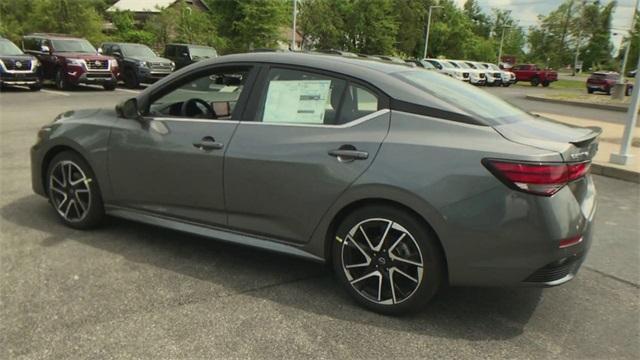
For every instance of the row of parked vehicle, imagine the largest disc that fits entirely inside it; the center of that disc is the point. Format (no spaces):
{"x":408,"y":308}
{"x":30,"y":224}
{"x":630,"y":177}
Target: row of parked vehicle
{"x":474,"y":72}
{"x":68,"y":61}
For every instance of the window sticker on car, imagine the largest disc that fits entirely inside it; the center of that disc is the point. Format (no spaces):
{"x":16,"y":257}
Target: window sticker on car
{"x":297,"y":101}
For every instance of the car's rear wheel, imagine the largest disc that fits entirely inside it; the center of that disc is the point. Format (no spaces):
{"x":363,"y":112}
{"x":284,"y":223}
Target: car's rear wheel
{"x":590,"y":91}
{"x":73,"y":191}
{"x":546,"y":83}
{"x":109,"y":86}
{"x":130,"y":79}
{"x":387,"y":259}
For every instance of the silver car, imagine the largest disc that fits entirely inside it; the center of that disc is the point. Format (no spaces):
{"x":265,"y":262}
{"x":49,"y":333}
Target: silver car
{"x":403,"y":180}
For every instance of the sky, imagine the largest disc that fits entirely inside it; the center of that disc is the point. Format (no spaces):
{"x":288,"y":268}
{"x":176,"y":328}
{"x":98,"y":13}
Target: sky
{"x":526,"y":12}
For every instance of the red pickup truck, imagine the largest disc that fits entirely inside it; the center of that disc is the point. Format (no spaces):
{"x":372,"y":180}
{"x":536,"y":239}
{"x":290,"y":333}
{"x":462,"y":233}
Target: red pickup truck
{"x":535,"y":75}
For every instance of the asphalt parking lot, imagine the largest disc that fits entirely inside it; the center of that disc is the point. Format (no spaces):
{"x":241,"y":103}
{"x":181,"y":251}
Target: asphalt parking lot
{"x":129,"y":290}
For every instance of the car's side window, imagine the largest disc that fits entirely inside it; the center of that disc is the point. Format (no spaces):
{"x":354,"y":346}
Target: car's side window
{"x":212,"y":95}
{"x":295,"y":96}
{"x":358,"y":102}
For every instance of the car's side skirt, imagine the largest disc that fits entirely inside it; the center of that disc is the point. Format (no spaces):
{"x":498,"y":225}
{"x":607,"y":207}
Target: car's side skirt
{"x":208,"y":231}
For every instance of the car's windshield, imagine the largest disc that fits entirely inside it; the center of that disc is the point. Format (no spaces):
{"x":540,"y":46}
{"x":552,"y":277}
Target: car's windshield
{"x":462,"y":64}
{"x":427,"y":65}
{"x":73,"y":45}
{"x":479,"y":103}
{"x":8,"y":48}
{"x":445,"y":64}
{"x":452,"y":64}
{"x":472,"y":65}
{"x":137,"y":50}
{"x":492,"y":66}
{"x":202,"y":52}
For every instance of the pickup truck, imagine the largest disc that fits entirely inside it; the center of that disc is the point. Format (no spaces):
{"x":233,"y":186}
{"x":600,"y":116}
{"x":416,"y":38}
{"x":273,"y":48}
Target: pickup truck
{"x":535,"y":75}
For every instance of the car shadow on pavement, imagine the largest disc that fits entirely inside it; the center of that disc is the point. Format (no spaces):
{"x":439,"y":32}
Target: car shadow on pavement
{"x":476,"y":314}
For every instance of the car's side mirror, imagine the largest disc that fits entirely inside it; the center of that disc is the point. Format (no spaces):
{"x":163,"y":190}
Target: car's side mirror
{"x":45,"y":49}
{"x":117,"y":54}
{"x":128,"y":109}
{"x":185,"y":55}
{"x":100,"y":51}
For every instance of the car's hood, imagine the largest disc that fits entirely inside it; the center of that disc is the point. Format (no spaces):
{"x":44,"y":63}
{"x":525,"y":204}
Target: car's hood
{"x":83,"y":56}
{"x":85,"y":114}
{"x":22,"y":57}
{"x":549,"y":135}
{"x":155,"y":59}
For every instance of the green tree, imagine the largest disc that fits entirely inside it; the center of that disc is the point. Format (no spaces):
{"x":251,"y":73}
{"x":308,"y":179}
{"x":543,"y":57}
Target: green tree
{"x":181,"y":23}
{"x":634,"y":51}
{"x":246,"y":24}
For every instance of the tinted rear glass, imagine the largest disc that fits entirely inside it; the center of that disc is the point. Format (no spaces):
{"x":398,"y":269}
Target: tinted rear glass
{"x":487,"y":108}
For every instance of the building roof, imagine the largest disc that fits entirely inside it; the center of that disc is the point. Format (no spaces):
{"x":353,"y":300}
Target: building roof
{"x":141,"y":5}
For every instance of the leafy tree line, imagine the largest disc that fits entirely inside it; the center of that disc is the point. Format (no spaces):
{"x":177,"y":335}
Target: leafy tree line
{"x":230,"y":26}
{"x":575,"y":25}
{"x":363,"y":26}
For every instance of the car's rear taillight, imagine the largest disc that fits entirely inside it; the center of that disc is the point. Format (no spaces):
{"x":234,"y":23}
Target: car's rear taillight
{"x":536,"y":178}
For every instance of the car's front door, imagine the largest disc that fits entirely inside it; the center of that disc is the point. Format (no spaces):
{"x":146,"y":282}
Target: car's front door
{"x":171,"y":162}
{"x":311,"y":137}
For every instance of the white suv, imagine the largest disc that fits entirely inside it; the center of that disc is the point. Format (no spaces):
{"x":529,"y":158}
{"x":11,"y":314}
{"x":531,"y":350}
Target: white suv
{"x":476,"y":77}
{"x":444,"y":67}
{"x":493,"y":78}
{"x":507,"y":77}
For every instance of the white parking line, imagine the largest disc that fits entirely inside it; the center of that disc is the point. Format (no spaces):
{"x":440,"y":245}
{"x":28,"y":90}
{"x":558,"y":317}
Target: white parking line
{"x":55,"y":92}
{"x":129,"y":91}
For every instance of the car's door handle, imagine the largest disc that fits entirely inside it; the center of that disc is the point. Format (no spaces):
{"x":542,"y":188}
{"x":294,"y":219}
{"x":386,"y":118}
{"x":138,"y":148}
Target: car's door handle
{"x":349,"y":154}
{"x":208,"y":143}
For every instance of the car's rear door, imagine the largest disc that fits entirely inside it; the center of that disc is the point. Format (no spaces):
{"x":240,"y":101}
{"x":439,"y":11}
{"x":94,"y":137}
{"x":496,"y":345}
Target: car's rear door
{"x":311,"y":135}
{"x":171,"y":163}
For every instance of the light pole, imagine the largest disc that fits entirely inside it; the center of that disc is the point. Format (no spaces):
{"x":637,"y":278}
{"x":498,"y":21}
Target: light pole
{"x":293,"y":31}
{"x":501,"y":42}
{"x":625,"y":157}
{"x":626,"y":51}
{"x":426,"y":39}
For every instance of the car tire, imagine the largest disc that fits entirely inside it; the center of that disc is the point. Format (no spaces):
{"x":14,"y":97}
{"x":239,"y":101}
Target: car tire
{"x":535,"y":81}
{"x":546,"y":83}
{"x":74,"y":192}
{"x":35,"y":87}
{"x":109,"y":86}
{"x":590,"y":91}
{"x":61,"y":82}
{"x":608,"y":91}
{"x":131,"y":79}
{"x":403,"y":286}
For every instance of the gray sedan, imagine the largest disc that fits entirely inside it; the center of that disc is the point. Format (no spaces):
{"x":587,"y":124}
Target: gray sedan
{"x":403,"y":180}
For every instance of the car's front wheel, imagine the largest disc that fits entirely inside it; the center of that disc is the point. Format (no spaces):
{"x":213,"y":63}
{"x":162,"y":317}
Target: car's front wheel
{"x":535,"y":81}
{"x":61,"y":82}
{"x":387,"y":259}
{"x":73,"y":191}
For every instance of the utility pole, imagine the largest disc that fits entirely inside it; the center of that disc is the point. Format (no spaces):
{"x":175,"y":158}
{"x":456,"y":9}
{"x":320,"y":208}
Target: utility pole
{"x":566,"y":24}
{"x":293,"y":31}
{"x":501,"y":42}
{"x":426,"y":39}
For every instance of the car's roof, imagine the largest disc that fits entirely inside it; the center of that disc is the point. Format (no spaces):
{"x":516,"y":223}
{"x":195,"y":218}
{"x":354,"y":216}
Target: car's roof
{"x":122,"y":43}
{"x":183,"y":44}
{"x":54,"y":36}
{"x":379,"y":74}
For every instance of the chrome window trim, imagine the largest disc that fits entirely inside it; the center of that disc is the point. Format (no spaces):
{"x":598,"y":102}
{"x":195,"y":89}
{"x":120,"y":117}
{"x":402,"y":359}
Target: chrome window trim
{"x":181,"y":119}
{"x":352,"y":123}
{"x":355,"y":122}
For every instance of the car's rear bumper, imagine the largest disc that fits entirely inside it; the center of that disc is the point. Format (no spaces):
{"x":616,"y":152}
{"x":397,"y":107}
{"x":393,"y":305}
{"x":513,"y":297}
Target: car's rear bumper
{"x":518,"y":241}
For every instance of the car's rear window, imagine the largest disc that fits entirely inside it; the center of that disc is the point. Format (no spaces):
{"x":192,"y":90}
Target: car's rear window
{"x":483,"y":106}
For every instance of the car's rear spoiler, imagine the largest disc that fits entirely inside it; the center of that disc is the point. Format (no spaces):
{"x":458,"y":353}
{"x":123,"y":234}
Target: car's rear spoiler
{"x":585,"y":140}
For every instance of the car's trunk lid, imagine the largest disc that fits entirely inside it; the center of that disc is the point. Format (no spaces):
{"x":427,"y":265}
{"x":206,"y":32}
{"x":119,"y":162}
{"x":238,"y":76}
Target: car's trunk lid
{"x":573,"y":143}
